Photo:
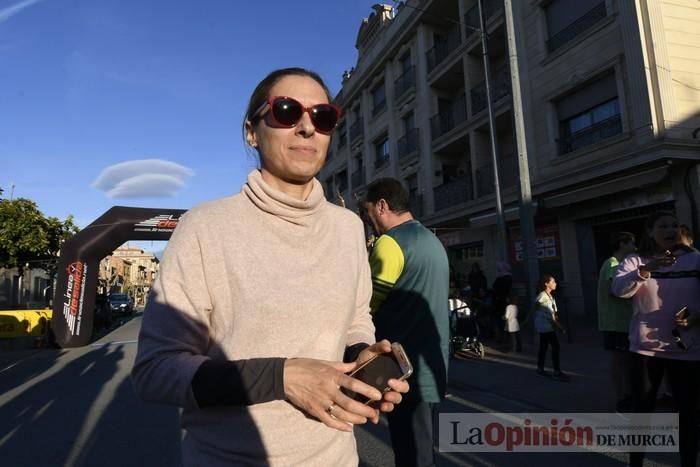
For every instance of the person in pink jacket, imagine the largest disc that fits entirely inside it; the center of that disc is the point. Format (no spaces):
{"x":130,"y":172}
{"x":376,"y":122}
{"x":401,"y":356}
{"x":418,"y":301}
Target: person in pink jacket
{"x":662,"y":279}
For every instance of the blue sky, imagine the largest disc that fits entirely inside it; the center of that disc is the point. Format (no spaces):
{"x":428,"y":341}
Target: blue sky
{"x":89,"y":87}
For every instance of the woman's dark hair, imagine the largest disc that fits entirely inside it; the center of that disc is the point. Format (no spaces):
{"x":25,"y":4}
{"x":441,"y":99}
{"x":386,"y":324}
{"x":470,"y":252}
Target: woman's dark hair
{"x":647,"y":245}
{"x":391,"y":190}
{"x":543,"y":281}
{"x":262,"y":91}
{"x":620,"y":237}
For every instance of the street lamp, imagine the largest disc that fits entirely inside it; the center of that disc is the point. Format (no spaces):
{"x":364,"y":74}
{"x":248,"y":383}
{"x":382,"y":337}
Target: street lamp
{"x":494,"y":138}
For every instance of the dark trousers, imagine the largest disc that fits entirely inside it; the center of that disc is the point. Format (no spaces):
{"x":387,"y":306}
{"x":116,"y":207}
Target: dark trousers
{"x":548,"y":339}
{"x":515,"y":342}
{"x":411,"y":426}
{"x":684,"y":378}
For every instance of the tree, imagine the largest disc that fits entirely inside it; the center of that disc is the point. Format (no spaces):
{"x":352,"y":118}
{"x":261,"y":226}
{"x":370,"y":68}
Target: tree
{"x":27,"y":237}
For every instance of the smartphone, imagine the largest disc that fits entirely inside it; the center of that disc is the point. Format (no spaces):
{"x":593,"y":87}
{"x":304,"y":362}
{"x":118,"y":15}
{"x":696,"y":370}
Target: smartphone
{"x":380,"y":369}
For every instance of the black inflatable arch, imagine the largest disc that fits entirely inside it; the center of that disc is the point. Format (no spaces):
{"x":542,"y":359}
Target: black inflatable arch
{"x":74,"y":299}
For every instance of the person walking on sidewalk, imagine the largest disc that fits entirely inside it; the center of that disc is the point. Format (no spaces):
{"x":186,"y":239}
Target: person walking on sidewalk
{"x":662,"y":280}
{"x":546,"y":321}
{"x":410,"y":281}
{"x":614,"y":315}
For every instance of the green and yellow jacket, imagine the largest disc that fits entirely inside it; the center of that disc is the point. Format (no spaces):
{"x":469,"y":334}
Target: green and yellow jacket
{"x":410,"y":280}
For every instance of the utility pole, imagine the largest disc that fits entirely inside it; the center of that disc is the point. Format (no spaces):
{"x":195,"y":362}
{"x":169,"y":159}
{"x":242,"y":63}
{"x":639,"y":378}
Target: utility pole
{"x":502,"y":250}
{"x":527,"y":222}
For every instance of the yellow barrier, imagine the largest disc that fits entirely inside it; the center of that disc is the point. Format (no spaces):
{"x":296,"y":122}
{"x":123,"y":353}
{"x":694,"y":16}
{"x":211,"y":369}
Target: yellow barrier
{"x":24,"y":323}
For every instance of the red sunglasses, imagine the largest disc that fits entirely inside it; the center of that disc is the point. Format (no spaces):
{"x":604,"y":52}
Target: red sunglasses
{"x":286,"y":112}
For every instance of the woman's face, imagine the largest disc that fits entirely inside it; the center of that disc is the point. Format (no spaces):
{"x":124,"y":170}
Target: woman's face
{"x":291,"y":156}
{"x":665,"y":232}
{"x":551,"y":284}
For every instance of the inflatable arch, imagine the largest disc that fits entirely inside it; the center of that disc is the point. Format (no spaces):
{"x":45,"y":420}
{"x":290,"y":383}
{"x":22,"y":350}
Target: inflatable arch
{"x":76,"y":286}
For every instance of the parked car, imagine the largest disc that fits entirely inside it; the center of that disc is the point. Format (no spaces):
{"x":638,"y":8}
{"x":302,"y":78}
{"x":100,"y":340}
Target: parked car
{"x":120,"y":303}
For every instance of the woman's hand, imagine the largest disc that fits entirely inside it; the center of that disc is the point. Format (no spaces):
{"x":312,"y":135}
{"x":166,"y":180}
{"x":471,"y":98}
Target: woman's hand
{"x":657,"y":262}
{"x":389,"y":398}
{"x":314,"y":386}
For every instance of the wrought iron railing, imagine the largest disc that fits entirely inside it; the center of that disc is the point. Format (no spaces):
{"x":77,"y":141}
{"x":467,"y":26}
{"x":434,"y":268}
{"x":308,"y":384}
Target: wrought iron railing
{"x":500,"y":87}
{"x":405,"y":82}
{"x":604,"y":129}
{"x":507,"y":176}
{"x":439,"y":52}
{"x":455,"y":191}
{"x":583,"y":23}
{"x":449,"y":118}
{"x":408,"y":143}
{"x":471,"y":18}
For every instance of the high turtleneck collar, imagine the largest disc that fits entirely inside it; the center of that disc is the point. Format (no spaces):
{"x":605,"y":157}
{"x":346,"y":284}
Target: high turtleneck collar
{"x":280,"y":204}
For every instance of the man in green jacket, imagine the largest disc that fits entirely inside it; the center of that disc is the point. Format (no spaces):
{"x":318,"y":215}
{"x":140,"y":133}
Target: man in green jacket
{"x":410,"y":280}
{"x":614,"y":315}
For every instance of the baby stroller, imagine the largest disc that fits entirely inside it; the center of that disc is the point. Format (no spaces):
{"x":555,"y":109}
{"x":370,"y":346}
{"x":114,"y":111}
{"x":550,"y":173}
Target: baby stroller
{"x":464,"y":331}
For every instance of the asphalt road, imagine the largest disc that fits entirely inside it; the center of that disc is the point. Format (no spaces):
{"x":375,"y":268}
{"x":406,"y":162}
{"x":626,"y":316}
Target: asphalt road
{"x":77,"y":407}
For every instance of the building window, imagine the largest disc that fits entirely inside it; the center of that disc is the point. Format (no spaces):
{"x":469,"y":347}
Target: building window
{"x":381,"y":152}
{"x":415,"y":200}
{"x":589,"y":115}
{"x":357,"y":178}
{"x":357,"y":124}
{"x":566,"y":19}
{"x":407,"y":78}
{"x":378,"y":99}
{"x":342,"y":136}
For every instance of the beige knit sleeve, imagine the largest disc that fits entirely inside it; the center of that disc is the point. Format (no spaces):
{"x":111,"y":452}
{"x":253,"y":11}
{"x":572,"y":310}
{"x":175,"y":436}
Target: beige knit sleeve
{"x":174,"y":335}
{"x":362,"y":328}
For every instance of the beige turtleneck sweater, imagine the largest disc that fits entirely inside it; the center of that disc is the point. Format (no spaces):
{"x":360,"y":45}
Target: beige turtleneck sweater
{"x":259,"y":274}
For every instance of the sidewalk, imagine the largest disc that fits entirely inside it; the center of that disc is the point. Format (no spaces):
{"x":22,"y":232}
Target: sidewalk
{"x":512,"y":375}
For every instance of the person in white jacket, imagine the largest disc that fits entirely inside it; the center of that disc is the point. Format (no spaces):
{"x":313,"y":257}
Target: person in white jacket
{"x":512,"y":326}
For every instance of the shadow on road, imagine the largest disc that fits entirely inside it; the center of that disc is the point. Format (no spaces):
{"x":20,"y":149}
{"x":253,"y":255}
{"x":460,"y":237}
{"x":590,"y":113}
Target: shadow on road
{"x":51,"y":416}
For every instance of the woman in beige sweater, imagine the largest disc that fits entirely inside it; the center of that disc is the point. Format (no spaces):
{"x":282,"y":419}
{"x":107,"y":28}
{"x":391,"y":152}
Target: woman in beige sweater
{"x":260,"y":298}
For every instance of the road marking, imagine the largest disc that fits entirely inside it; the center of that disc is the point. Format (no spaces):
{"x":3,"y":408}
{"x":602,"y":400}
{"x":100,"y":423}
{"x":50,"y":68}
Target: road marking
{"x":97,"y":344}
{"x":11,"y":366}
